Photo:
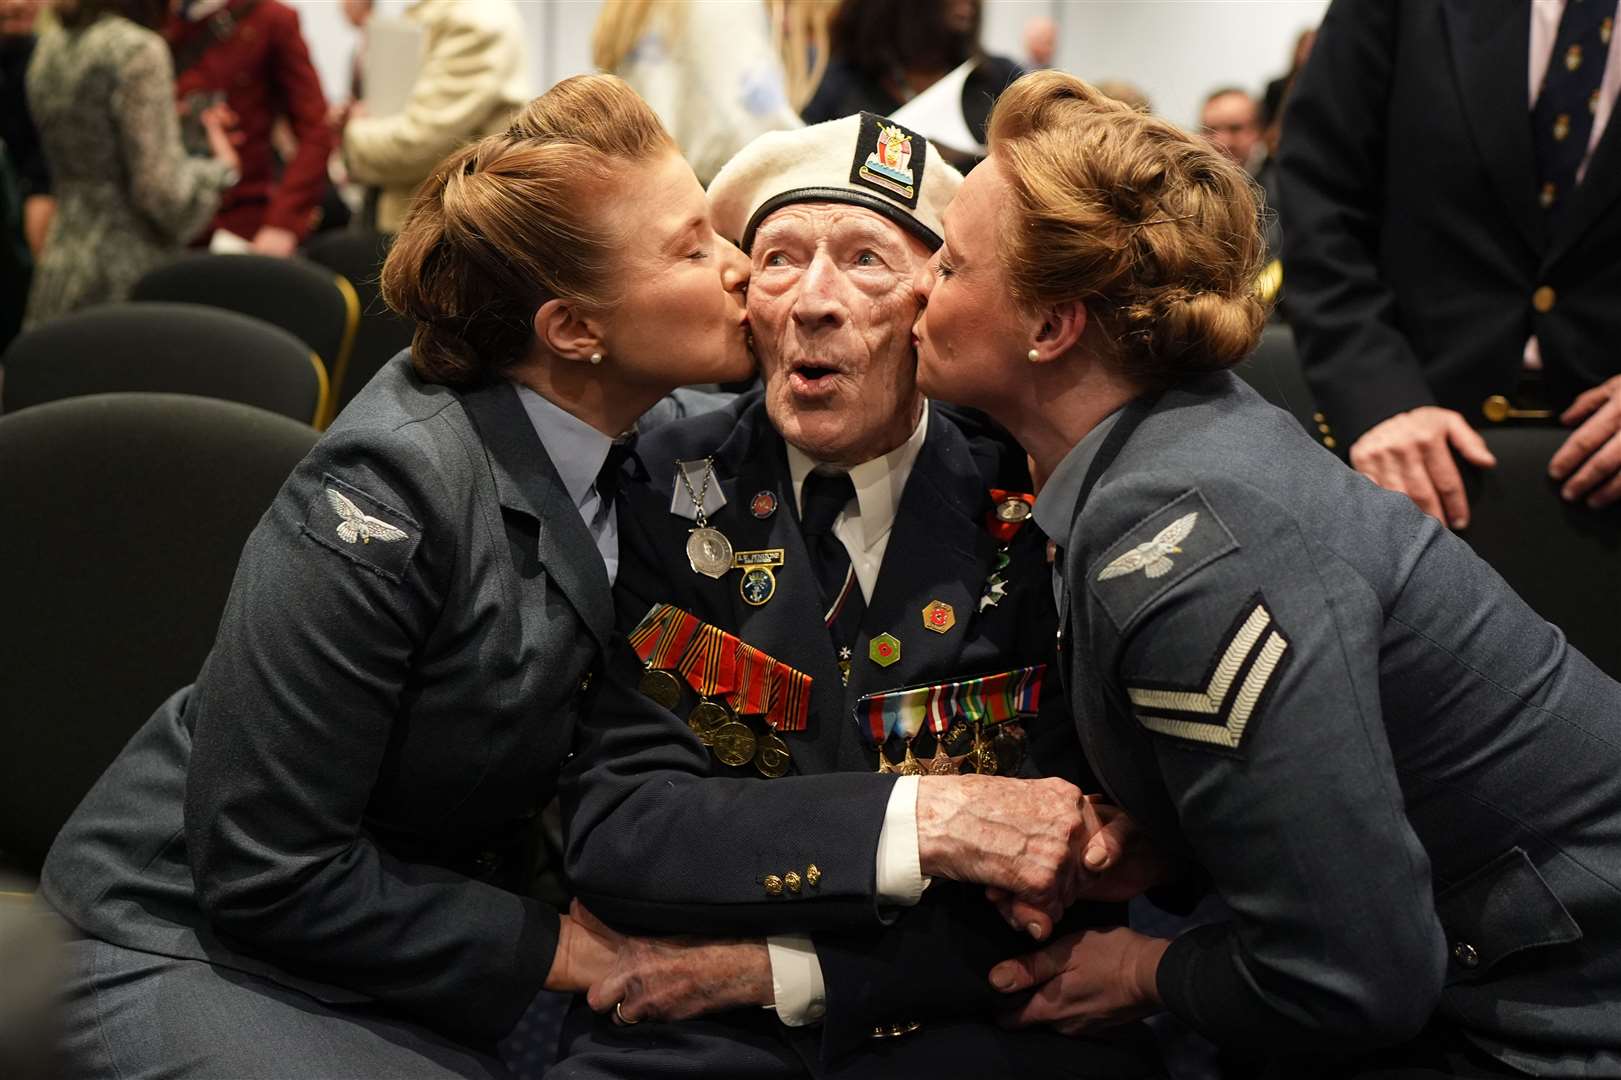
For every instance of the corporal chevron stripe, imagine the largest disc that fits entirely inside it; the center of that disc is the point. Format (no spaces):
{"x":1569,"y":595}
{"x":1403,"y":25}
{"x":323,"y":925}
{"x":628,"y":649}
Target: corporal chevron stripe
{"x":1256,"y":638}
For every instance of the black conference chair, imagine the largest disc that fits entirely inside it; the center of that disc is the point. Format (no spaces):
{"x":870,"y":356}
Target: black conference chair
{"x":165,"y":348}
{"x":1274,"y":371}
{"x":1564,"y":560}
{"x":358,"y":257}
{"x":124,"y":517}
{"x":308,"y":301}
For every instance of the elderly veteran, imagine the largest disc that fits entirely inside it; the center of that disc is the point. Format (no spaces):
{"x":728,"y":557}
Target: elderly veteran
{"x":838,"y":525}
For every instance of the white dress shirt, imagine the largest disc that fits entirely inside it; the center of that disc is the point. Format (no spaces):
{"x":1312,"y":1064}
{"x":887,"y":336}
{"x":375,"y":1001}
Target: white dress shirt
{"x":863,"y":527}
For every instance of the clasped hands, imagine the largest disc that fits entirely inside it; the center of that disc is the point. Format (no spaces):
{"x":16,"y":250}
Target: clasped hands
{"x":1038,"y":846}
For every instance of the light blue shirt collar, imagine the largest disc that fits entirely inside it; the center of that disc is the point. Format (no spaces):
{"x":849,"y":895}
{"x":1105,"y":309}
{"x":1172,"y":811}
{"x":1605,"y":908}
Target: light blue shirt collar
{"x":1055,"y":506}
{"x":577,"y":449}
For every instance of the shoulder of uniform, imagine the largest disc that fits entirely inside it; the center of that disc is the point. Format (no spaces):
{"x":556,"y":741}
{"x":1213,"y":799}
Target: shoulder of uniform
{"x":729,"y":431}
{"x":1142,"y":535}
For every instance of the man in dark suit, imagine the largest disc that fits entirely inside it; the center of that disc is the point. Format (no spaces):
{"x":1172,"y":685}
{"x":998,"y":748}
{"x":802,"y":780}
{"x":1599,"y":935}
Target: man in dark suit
{"x":1450,"y":183}
{"x":879,"y":543}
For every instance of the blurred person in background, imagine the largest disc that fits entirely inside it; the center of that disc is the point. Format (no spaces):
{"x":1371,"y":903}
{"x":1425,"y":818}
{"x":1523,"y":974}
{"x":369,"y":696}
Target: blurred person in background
{"x":1277,"y":90}
{"x":102,"y":95}
{"x":886,"y":52}
{"x":1127,"y":93}
{"x":25,"y":201}
{"x":1040,"y":42}
{"x":1229,"y":120}
{"x":710,"y":71}
{"x":473,"y":78}
{"x":251,"y":55}
{"x":1449,"y":177}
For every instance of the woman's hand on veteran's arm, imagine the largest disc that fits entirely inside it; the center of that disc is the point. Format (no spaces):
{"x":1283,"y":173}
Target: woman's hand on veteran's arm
{"x":677,"y":978}
{"x":586,"y":950}
{"x":1083,"y":982}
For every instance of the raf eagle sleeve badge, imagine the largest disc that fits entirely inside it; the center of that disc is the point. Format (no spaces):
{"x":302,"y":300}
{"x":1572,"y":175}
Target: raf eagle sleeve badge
{"x":361,"y":528}
{"x":1164,"y":548}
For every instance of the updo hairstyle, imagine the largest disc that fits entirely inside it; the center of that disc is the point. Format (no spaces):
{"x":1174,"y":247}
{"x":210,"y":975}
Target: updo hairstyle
{"x":502,"y":226}
{"x":1150,"y":228}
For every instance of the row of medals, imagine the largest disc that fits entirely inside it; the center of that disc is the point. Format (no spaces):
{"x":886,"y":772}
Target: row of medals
{"x":719,"y":728}
{"x":1001,"y":754}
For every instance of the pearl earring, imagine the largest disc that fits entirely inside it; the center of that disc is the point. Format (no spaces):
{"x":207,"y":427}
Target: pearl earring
{"x":1033,"y":355}
{"x":596,"y":358}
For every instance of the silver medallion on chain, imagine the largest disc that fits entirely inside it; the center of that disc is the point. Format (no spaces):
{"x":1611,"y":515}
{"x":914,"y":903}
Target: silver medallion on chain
{"x":708,"y":551}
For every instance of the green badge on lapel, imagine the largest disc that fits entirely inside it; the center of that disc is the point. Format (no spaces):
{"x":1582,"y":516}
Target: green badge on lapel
{"x":884,"y":650}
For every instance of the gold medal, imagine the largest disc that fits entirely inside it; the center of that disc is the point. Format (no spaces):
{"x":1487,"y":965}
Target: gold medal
{"x":771,"y":756}
{"x":707,"y":719}
{"x":1009,"y":753}
{"x":910,"y":765}
{"x":661,"y":687}
{"x":884,"y":766}
{"x":942,"y":763}
{"x":733,"y":743}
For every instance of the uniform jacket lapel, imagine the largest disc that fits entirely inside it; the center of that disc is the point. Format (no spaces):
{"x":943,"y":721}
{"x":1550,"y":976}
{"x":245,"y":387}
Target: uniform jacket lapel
{"x":939,"y":549}
{"x":527,"y":482}
{"x":1594,"y":195}
{"x":1490,"y":47}
{"x":789,"y":625}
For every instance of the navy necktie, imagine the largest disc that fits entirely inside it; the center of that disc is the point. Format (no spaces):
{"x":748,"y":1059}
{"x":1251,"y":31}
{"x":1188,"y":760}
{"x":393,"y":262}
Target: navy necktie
{"x":612,"y":473}
{"x":823,"y":498}
{"x":1562,"y":121}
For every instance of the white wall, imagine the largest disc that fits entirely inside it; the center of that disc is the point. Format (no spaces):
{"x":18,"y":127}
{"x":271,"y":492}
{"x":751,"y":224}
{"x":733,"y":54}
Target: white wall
{"x":1176,"y":50}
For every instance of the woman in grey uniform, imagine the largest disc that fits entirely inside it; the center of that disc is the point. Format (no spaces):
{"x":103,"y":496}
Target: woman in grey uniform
{"x":1400,"y":780}
{"x":314,"y":862}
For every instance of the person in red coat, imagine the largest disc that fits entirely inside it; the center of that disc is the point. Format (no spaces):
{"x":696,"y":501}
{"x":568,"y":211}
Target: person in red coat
{"x":253,"y":53}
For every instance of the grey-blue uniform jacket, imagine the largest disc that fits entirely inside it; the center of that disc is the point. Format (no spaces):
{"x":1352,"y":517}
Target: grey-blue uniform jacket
{"x":931,"y":966}
{"x":1405,"y":785}
{"x":345,"y":801}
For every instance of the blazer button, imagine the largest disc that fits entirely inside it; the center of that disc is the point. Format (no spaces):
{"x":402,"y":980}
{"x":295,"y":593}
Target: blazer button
{"x":1543,"y":299}
{"x":585,"y":682}
{"x":813,"y":875}
{"x":1465,"y":955}
{"x":773,"y":885}
{"x":791,"y":880}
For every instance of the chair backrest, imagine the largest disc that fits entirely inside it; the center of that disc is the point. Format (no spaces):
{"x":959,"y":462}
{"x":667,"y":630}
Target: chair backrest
{"x":123,"y":519}
{"x":358,"y":256}
{"x":308,"y":301}
{"x":165,"y":348}
{"x":1564,"y":560}
{"x":1274,"y":371}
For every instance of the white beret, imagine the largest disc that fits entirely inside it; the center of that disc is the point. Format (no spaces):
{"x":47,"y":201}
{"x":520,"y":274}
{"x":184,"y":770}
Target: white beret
{"x":865,"y":160}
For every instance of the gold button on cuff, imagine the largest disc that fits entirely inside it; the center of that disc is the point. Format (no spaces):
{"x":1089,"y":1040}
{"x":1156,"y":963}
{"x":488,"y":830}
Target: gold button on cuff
{"x":1465,"y":955}
{"x":813,"y":875}
{"x":791,"y":880}
{"x":1543,"y":299}
{"x":895,"y":1031}
{"x":1329,"y":442}
{"x":773,"y":885}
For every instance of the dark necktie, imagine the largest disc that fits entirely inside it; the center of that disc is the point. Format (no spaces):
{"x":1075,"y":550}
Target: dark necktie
{"x":823,"y":498}
{"x":1562,"y":121}
{"x":613,"y":471}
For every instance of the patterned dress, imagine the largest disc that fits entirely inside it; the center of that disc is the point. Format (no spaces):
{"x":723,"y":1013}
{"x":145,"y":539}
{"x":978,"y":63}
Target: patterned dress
{"x":127,"y":196}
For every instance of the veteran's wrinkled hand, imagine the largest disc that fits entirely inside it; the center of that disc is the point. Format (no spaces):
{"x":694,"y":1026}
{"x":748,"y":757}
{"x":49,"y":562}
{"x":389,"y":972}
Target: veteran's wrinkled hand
{"x":1588,"y":464}
{"x":1120,"y":858}
{"x":1026,"y":838}
{"x":677,"y":978}
{"x":1086,"y":981}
